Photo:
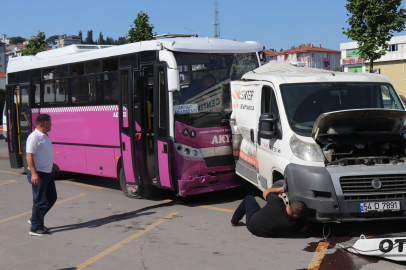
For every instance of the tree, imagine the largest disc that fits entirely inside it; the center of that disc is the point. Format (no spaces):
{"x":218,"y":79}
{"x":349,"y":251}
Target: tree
{"x":109,"y":41}
{"x":51,"y":39}
{"x":80,"y":35}
{"x":89,"y":37}
{"x":372,"y":24}
{"x":281,"y":50}
{"x":35,"y":44}
{"x":141,"y":30}
{"x":120,"y":41}
{"x":101,"y":40}
{"x":336,"y":69}
{"x":17,"y":40}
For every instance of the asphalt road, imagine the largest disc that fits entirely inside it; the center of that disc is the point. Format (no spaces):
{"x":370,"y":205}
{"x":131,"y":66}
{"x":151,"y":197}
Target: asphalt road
{"x":94,"y":226}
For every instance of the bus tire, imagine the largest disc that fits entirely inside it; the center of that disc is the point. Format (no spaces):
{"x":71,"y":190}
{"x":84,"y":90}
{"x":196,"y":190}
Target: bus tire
{"x":130,"y":191}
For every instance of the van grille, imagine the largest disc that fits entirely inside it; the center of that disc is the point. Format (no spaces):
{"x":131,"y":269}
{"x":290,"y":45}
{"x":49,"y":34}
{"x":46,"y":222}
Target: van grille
{"x":360,"y":187}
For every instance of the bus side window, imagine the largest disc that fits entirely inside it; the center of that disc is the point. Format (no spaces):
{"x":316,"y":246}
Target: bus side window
{"x":48,"y":90}
{"x":85,"y":90}
{"x":110,"y":84}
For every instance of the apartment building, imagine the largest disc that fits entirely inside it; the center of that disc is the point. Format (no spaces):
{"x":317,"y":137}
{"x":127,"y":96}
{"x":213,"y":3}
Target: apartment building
{"x":310,"y":55}
{"x":392,"y":64}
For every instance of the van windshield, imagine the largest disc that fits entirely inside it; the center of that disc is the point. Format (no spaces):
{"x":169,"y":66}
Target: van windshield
{"x":205,"y":85}
{"x":305,"y":102}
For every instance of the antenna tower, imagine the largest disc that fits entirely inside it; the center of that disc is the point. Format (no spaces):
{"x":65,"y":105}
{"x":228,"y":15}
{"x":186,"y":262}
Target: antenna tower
{"x":216,"y":22}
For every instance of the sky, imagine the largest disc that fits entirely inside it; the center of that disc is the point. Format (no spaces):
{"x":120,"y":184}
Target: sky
{"x":274,"y":24}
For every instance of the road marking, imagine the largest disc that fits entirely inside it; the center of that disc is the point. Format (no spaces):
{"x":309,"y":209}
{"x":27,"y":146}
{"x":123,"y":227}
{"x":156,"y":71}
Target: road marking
{"x":7,"y":182}
{"x":79,"y":184}
{"x":318,"y":256}
{"x":20,"y":215}
{"x":125,"y":241}
{"x":12,"y":173}
{"x":205,"y":206}
{"x":216,"y":208}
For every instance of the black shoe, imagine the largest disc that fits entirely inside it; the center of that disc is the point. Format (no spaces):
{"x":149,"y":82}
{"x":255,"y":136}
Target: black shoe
{"x":45,"y":228}
{"x":234,"y":224}
{"x":39,"y":232}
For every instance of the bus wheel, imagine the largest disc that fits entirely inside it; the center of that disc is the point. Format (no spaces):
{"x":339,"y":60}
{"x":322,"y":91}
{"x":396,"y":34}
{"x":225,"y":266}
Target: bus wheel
{"x":130,"y":191}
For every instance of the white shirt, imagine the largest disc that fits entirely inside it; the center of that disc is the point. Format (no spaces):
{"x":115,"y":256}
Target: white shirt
{"x":40,"y":146}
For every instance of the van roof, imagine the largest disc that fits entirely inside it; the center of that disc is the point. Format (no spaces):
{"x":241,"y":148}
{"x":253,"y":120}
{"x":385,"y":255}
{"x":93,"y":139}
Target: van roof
{"x":290,"y":72}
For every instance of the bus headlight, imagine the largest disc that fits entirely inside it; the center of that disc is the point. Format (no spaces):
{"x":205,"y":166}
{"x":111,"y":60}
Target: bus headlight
{"x":304,"y":150}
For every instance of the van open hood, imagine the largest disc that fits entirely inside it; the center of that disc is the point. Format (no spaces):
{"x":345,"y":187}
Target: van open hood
{"x":358,"y":121}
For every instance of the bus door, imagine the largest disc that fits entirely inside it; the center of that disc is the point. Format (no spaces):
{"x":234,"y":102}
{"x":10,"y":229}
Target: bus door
{"x":126,"y":123}
{"x":161,"y":128}
{"x":146,"y":98}
{"x":24,"y":111}
{"x":13,"y":127}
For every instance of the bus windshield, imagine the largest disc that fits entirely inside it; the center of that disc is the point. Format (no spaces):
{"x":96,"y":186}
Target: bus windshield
{"x":205,"y":84}
{"x":305,"y":102}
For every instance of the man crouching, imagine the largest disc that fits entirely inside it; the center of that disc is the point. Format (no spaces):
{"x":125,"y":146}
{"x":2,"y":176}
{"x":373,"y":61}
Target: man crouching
{"x":275,"y":217}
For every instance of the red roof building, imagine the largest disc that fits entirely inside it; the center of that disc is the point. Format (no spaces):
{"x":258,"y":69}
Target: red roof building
{"x":313,"y":56}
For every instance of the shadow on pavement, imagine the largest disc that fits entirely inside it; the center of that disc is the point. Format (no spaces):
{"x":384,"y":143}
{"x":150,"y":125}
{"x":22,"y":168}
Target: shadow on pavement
{"x":110,"y":219}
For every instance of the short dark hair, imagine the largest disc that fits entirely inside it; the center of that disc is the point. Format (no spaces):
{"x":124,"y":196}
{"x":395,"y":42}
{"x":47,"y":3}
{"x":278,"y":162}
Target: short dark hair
{"x":299,"y":208}
{"x":41,"y":118}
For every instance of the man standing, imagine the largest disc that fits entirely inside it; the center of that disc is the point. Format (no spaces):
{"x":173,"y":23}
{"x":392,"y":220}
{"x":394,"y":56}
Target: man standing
{"x":274,"y":218}
{"x":40,"y":165}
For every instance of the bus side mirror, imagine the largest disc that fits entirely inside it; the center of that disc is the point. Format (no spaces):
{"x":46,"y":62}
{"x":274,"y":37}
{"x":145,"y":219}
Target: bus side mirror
{"x":266,"y":126}
{"x":173,"y":80}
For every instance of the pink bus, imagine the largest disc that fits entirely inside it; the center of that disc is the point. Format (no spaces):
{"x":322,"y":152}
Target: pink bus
{"x":151,"y":113}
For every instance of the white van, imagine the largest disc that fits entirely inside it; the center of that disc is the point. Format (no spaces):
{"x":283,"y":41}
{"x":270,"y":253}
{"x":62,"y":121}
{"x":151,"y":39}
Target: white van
{"x":335,"y":137}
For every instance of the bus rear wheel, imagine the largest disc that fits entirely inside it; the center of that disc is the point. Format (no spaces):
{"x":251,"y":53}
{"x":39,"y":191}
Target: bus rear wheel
{"x":129,"y":190}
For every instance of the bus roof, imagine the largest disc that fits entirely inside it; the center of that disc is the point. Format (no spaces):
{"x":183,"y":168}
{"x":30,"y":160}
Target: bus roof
{"x":80,"y":53}
{"x":290,"y":72}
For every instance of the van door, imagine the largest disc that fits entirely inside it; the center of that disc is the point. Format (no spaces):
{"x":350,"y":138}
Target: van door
{"x":268,"y":150}
{"x":161,"y":128}
{"x":13,"y":126}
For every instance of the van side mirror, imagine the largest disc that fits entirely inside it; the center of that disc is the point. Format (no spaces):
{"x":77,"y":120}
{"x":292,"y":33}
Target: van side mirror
{"x":266,"y":126}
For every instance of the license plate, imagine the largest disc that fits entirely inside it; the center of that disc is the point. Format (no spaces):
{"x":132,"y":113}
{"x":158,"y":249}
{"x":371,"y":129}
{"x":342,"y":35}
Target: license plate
{"x":379,"y":206}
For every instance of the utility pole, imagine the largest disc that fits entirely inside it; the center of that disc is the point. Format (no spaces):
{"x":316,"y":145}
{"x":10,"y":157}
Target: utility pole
{"x":216,"y":22}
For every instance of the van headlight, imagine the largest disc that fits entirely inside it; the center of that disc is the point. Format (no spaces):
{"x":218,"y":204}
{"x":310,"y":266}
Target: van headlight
{"x":304,"y":150}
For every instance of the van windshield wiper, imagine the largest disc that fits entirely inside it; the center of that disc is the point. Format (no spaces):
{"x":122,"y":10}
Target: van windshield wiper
{"x":292,"y":122}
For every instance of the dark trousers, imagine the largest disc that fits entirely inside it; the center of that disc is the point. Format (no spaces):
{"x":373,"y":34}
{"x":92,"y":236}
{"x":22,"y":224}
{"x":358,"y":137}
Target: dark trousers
{"x":44,"y":197}
{"x":246,"y":207}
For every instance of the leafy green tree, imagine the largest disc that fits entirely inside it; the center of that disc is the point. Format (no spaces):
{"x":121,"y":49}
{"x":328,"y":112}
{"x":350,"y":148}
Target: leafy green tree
{"x":372,"y":24}
{"x":281,"y":50}
{"x":336,"y":69}
{"x":35,"y":44}
{"x":89,"y":37}
{"x":17,"y":40}
{"x":81,"y":37}
{"x":140,"y":29}
{"x":51,"y":39}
